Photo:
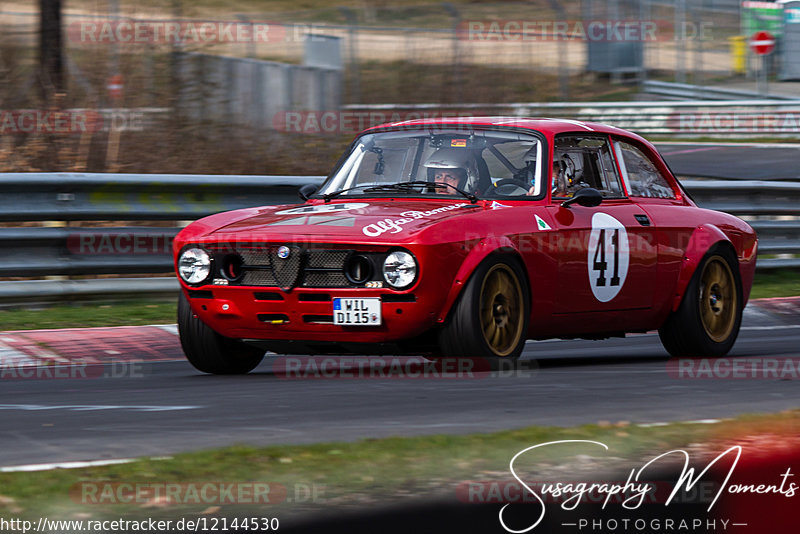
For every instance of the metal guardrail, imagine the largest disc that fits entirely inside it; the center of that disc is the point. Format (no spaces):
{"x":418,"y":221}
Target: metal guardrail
{"x":93,"y":197}
{"x":686,"y":91}
{"x":35,"y":291}
{"x":59,"y":251}
{"x":753,"y":200}
{"x":746,"y":118}
{"x":37,"y":251}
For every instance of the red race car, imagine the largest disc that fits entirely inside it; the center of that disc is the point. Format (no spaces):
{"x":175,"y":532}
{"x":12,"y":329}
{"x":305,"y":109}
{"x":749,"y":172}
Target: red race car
{"x":464,"y":238}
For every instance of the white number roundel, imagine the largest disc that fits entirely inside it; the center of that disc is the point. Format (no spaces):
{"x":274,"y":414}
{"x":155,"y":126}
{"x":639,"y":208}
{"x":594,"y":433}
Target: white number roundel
{"x":609,"y":256}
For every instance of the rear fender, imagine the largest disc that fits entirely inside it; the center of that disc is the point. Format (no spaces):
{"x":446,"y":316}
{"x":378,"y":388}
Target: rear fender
{"x":703,"y":238}
{"x":476,"y":255}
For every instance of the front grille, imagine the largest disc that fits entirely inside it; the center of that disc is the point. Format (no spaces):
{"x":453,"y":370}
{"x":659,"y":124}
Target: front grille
{"x":287,"y":270}
{"x":326,"y":259}
{"x":259,"y":278}
{"x":325,"y":279}
{"x":317,"y":268}
{"x":251,"y":257}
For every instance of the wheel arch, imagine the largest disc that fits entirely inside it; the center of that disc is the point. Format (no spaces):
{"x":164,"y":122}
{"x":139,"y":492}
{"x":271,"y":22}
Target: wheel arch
{"x":704,"y":239}
{"x":478,"y":254}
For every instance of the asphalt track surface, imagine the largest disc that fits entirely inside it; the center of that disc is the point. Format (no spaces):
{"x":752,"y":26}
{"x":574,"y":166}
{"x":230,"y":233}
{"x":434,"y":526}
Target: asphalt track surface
{"x":167,"y":407}
{"x":159,"y":408}
{"x":735,"y":161}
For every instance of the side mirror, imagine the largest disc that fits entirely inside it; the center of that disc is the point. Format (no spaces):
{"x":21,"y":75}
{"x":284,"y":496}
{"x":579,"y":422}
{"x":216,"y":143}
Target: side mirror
{"x":306,"y":191}
{"x":587,"y":197}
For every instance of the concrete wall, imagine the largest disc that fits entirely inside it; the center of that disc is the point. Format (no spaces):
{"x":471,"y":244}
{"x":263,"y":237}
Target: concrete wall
{"x":253,"y":93}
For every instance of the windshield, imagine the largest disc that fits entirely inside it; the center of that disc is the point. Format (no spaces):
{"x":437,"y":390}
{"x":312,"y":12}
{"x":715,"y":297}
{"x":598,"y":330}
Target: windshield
{"x":481,"y":163}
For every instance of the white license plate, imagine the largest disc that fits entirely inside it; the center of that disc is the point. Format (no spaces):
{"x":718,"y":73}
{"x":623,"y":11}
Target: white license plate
{"x":359,"y":312}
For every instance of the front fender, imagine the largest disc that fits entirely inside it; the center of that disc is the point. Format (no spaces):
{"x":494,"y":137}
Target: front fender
{"x":475,"y":256}
{"x":703,"y":238}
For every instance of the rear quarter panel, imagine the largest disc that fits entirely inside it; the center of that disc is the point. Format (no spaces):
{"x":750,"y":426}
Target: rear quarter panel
{"x":685,"y":234}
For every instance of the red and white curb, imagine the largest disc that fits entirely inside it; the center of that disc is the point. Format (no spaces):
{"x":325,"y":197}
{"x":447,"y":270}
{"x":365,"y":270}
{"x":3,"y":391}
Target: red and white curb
{"x":89,"y":346}
{"x":159,"y":343}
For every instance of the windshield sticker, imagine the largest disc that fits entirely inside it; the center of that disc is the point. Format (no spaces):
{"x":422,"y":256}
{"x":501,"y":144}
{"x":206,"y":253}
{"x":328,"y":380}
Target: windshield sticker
{"x":394,"y":226}
{"x":540,"y":224}
{"x":458,"y":143}
{"x":323,"y":208}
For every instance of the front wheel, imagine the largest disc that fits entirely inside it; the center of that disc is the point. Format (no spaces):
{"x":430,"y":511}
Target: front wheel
{"x":707,"y":321}
{"x":490,"y":318}
{"x":210,"y":352}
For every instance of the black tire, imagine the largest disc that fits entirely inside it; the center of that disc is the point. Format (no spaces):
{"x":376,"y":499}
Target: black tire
{"x":210,"y":352}
{"x":490,"y":317}
{"x":707,"y":321}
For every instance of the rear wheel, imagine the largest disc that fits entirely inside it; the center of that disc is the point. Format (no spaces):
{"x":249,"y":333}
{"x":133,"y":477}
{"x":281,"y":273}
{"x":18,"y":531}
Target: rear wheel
{"x":490,"y":318}
{"x":710,"y":314}
{"x":210,"y":352}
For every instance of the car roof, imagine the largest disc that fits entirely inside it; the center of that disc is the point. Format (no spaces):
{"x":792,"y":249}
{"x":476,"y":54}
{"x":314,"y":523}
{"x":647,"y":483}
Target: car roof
{"x":541,"y":124}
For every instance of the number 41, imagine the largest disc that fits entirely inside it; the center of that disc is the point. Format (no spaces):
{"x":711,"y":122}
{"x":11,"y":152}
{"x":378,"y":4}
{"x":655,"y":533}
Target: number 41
{"x":601,"y":264}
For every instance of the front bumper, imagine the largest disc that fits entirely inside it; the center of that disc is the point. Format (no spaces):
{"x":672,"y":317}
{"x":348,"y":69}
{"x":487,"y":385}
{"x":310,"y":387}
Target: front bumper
{"x":261,"y":313}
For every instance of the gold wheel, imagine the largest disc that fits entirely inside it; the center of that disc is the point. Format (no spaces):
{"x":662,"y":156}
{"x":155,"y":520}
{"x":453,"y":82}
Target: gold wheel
{"x":501,"y":309}
{"x":718,"y":299}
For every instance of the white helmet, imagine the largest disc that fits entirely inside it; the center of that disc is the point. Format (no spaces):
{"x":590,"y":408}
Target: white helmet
{"x":455,"y":158}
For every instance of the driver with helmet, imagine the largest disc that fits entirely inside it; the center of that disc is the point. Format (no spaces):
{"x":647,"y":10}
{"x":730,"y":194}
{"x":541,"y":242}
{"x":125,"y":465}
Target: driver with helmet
{"x":455,"y":167}
{"x":560,"y":183}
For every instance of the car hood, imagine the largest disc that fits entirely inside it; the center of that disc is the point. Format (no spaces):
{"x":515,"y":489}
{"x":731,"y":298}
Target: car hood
{"x":394,"y":219}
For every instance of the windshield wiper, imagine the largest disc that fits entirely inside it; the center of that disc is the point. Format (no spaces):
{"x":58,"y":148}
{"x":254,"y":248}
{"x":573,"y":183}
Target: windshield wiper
{"x":328,"y":196}
{"x":473,"y":198}
{"x":400,"y":186}
{"x":406,"y":186}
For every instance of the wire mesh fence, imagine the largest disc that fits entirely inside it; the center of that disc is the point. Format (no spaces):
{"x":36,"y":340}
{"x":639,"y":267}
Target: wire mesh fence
{"x":131,"y":59}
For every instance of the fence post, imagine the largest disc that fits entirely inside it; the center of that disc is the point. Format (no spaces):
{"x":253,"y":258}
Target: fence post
{"x":680,"y":41}
{"x":355,"y":82}
{"x":250,"y":47}
{"x":563,"y":66}
{"x":455,"y":14}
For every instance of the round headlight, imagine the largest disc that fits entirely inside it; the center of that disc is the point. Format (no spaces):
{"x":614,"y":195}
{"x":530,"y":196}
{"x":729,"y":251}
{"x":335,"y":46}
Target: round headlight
{"x":194,"y":265}
{"x":399,"y":269}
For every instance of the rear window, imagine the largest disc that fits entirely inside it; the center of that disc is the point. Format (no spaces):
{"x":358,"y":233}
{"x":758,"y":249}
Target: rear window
{"x":641,"y":174}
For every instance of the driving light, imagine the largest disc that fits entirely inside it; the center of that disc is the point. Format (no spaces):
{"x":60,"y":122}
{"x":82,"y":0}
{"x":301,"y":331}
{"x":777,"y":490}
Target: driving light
{"x":399,"y":269}
{"x":194,"y":265}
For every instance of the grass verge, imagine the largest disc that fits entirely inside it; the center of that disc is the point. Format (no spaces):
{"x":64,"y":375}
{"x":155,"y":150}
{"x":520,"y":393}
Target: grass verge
{"x":376,"y":471}
{"x":778,"y":283}
{"x":87,"y":314}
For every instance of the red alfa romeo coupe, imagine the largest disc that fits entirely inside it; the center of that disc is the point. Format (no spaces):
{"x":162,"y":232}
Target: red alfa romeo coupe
{"x":464,"y":238}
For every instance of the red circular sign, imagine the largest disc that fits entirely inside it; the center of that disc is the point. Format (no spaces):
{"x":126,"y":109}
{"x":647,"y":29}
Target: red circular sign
{"x":762,"y":43}
{"x":115,"y":86}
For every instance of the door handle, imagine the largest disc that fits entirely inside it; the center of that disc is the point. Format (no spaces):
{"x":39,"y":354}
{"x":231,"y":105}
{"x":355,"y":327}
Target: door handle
{"x":643,"y":219}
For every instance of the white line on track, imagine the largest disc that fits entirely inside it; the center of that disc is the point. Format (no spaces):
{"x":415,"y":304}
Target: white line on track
{"x":689,"y":151}
{"x":648,"y":334}
{"x":63,"y":465}
{"x":168,"y":327}
{"x":776,"y":327}
{"x":93,"y":407}
{"x":756,"y":145}
{"x":697,"y":422}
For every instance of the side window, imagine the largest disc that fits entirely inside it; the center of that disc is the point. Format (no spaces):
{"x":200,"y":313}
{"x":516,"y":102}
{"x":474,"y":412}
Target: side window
{"x":584,"y":161}
{"x":641,"y":174}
